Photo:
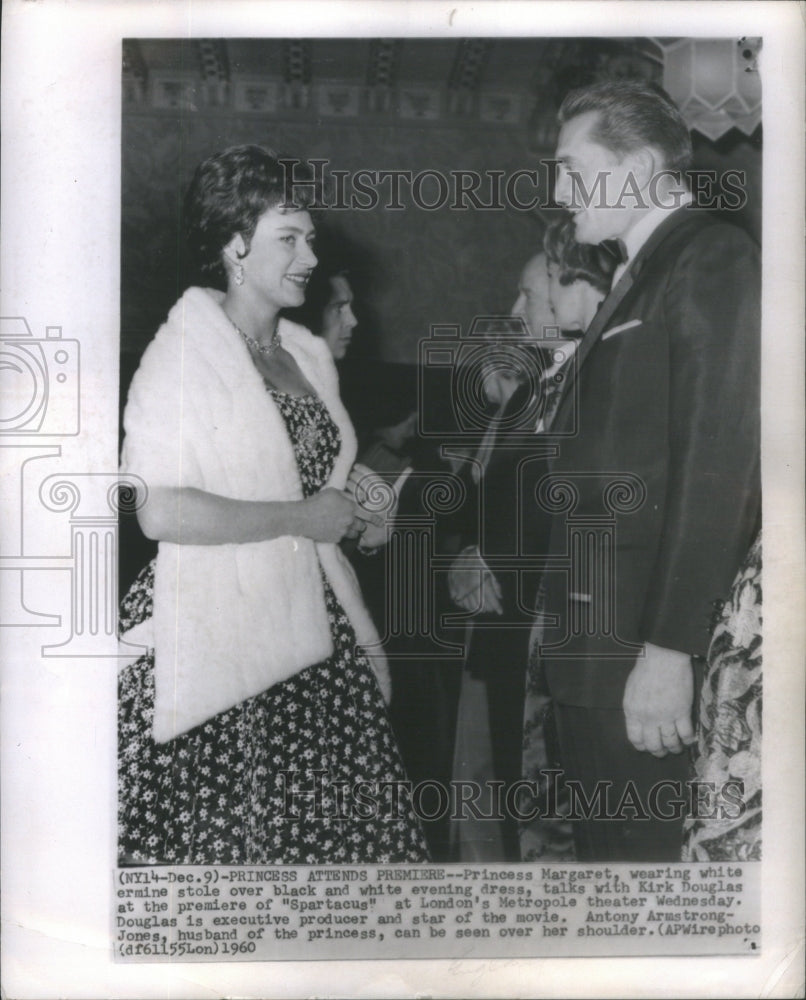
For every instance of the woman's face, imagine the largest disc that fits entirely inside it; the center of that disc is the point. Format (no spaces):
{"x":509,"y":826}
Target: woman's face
{"x":338,"y":319}
{"x":281,"y":258}
{"x":569,"y":302}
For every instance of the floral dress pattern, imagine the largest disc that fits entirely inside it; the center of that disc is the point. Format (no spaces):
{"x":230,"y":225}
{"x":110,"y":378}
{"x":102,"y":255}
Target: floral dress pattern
{"x":273,"y":779}
{"x":729,"y":732}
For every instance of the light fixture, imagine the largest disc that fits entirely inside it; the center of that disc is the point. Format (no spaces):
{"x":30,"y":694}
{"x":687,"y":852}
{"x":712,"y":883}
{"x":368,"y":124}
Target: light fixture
{"x":714,"y":81}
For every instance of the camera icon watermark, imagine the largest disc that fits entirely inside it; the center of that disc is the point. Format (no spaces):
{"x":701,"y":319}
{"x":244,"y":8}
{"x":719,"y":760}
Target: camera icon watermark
{"x":39,"y":381}
{"x":476,"y":375}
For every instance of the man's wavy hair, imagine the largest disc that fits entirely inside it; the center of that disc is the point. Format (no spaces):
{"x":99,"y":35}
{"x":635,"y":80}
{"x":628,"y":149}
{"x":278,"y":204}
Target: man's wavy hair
{"x":229,"y":193}
{"x":633,"y":114}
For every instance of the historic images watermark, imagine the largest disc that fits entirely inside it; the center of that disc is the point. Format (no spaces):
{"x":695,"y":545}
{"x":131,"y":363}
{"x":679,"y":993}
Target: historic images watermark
{"x":522,"y":190}
{"x":325,"y":797}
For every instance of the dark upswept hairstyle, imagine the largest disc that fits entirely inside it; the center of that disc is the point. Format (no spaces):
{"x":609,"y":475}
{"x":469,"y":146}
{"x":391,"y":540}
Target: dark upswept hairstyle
{"x":228,"y":194}
{"x":578,"y":261}
{"x":633,"y":114}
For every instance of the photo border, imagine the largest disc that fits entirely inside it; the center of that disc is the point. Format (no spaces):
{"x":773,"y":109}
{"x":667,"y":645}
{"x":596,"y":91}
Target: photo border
{"x":60,"y":267}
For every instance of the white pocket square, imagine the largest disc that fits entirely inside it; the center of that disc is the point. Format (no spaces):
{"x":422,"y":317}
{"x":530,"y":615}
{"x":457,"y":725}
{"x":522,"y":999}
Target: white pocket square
{"x":620,"y":329}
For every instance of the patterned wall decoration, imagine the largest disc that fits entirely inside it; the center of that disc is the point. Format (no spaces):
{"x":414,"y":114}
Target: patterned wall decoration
{"x":389,"y":78}
{"x":384,"y":56}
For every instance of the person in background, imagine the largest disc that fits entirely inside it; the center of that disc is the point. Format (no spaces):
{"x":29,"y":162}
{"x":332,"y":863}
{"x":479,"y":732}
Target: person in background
{"x":255,"y":703}
{"x":329,"y":313}
{"x":728,"y":748}
{"x":541,"y":294}
{"x":328,"y":310}
{"x":532,"y":304}
{"x":577,"y":279}
{"x":497,"y":525}
{"x":520,"y":377}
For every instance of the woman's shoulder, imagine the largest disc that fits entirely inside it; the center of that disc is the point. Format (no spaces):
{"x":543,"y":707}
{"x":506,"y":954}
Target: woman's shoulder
{"x":195,"y":317}
{"x":297,"y":333}
{"x":312,"y":355}
{"x":299,"y":339}
{"x":195,"y":306}
{"x":195,"y":311}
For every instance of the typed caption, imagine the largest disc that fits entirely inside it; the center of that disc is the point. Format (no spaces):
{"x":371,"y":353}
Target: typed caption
{"x":214,"y":914}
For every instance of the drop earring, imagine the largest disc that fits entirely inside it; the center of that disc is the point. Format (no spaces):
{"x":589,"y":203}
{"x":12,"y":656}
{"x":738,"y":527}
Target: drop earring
{"x":234,"y":269}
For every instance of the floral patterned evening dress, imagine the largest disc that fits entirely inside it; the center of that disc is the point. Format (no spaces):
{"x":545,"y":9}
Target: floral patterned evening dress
{"x":729,"y":732}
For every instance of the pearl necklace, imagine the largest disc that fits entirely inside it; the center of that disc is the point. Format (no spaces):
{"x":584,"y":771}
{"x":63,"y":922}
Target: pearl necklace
{"x":265,"y":349}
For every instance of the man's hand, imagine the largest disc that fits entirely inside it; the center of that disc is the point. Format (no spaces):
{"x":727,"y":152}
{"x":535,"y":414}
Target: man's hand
{"x":474,"y":587}
{"x":398,"y":435}
{"x":657,"y":701}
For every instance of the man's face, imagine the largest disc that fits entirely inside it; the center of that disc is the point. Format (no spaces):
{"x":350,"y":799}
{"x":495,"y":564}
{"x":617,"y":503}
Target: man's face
{"x":532,"y":304}
{"x":338,"y":320}
{"x":567,"y":301}
{"x":590,"y":182}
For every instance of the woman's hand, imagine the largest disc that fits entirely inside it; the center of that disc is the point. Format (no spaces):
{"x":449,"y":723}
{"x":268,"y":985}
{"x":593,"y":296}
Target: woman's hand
{"x":188,"y":516}
{"x":376,"y":499}
{"x":331,"y":515}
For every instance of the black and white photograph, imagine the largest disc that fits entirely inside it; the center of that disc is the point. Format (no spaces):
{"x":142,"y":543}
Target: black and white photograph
{"x":383,"y":495}
{"x":632,"y":483}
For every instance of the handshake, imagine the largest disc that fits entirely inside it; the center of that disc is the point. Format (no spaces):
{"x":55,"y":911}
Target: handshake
{"x":364,"y":510}
{"x":377,"y":501}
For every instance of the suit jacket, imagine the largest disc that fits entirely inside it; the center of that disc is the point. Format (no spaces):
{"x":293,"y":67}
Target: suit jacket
{"x":665,"y":399}
{"x":501,"y":517}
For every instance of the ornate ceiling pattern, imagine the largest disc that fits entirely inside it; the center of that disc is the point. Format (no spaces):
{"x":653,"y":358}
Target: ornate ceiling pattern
{"x":506,"y":81}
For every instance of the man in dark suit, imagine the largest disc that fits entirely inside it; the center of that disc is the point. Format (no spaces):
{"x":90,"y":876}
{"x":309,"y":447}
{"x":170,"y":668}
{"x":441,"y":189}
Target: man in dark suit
{"x":655,"y":490}
{"x":489,"y":580}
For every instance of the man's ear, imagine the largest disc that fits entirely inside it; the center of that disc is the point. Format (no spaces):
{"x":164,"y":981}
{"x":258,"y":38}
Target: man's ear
{"x":645,"y":164}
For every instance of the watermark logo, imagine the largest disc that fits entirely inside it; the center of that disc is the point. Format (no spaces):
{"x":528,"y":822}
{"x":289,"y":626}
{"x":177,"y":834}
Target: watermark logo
{"x":526,"y":189}
{"x":56,"y":523}
{"x":461,"y":369}
{"x":39,"y":381}
{"x":316,"y":794}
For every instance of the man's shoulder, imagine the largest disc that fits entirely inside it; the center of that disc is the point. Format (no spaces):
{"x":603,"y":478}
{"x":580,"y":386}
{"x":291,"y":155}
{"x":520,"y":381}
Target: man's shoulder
{"x":701,"y":231}
{"x":700,"y":244}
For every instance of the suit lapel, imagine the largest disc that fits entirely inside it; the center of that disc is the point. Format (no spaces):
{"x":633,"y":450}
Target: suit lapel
{"x":617,"y":295}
